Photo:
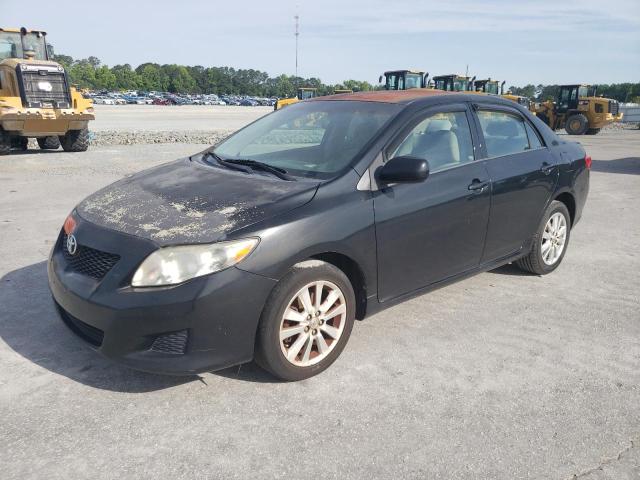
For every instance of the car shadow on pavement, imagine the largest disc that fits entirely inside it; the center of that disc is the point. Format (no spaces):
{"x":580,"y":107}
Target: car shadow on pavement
{"x":247,"y":372}
{"x":30,"y":326}
{"x":510,"y":269}
{"x":628,"y":166}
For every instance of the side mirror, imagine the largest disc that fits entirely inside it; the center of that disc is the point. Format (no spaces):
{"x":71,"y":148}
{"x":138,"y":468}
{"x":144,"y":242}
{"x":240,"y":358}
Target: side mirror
{"x":380,"y":79}
{"x":404,"y":169}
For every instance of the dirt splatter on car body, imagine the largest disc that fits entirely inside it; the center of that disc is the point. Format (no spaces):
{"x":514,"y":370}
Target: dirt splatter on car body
{"x":189,"y":201}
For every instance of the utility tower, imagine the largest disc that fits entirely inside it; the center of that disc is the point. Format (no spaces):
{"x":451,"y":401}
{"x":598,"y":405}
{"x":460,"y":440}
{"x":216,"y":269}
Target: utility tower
{"x":297,"y":34}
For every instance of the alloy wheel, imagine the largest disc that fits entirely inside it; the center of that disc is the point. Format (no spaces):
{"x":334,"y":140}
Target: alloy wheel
{"x":312,"y":323}
{"x":554,"y":237}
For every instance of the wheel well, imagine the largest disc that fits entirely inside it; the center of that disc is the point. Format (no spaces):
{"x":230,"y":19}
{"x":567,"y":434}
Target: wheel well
{"x":354,"y":273}
{"x":569,"y":202}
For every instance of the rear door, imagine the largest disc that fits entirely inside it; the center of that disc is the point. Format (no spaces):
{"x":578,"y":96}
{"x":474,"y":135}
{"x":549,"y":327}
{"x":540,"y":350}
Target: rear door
{"x":523,"y":173}
{"x":432,"y":230}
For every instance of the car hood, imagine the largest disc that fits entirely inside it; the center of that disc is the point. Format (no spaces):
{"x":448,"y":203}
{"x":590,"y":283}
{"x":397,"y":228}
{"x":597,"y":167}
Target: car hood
{"x":190,"y":202}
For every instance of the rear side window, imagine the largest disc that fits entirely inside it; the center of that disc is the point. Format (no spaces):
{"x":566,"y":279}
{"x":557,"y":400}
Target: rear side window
{"x":504,"y":133}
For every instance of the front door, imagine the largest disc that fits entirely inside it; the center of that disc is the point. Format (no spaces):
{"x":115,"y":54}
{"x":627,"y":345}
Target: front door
{"x":432,"y":230}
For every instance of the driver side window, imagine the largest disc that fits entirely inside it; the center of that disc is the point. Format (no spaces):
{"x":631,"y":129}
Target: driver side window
{"x":443,"y":139}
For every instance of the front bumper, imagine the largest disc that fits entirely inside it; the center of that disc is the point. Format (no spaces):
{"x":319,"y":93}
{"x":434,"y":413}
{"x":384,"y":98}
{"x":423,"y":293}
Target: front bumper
{"x":40,"y":122}
{"x":217,"y":315}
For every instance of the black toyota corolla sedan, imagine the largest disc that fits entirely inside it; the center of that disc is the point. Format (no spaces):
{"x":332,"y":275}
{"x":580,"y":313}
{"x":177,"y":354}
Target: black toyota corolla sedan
{"x":272,"y":243}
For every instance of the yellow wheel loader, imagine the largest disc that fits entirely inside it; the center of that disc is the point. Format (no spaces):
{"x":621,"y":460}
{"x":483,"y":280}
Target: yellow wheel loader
{"x":453,"y":83}
{"x":404,"y":79}
{"x":494,"y":87}
{"x":578,"y":110}
{"x":36,"y":100}
{"x":303,"y":94}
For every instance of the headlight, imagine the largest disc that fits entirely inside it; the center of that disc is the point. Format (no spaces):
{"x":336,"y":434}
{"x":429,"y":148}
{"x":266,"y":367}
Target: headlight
{"x":172,"y":265}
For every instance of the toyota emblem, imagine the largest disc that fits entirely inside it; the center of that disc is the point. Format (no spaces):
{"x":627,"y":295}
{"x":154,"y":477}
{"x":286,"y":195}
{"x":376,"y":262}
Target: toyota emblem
{"x":72,"y":245}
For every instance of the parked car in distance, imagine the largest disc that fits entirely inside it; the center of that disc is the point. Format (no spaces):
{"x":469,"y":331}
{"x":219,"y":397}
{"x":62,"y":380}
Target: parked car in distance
{"x":272,"y":243}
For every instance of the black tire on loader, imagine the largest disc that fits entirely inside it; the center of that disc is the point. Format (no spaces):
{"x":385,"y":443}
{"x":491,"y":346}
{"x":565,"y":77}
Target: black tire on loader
{"x":577,"y":124}
{"x":20,"y":143}
{"x":75,"y":140}
{"x":5,"y":142}
{"x":49,"y":143}
{"x":593,"y":131}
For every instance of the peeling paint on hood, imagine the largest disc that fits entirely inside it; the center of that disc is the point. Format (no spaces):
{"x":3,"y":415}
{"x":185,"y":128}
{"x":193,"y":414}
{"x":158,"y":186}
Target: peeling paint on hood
{"x":189,"y":202}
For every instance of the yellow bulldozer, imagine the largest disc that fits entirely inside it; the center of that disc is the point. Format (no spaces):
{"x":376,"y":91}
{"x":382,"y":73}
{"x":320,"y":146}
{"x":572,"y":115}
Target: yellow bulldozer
{"x":36,"y":100}
{"x":578,"y":110}
{"x":303,"y":94}
{"x":404,"y":79}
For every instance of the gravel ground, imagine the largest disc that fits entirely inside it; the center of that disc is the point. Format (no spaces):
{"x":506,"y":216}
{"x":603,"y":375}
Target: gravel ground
{"x":503,"y":375}
{"x":183,"y":118}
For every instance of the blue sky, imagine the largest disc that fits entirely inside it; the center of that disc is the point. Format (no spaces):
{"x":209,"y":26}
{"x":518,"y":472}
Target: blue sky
{"x":543,"y":41}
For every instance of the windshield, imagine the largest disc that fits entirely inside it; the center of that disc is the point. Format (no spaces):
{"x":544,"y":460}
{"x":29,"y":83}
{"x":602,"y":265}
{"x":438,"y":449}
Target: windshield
{"x":313,"y":139}
{"x":586,"y":91}
{"x":491,"y":87}
{"x":304,"y":94}
{"x":14,"y":44}
{"x":393,"y":81}
{"x":460,"y":85}
{"x":413,"y":80}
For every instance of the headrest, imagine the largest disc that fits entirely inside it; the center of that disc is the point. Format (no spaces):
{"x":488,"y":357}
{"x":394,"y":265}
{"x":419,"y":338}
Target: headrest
{"x":502,"y":129}
{"x":436,"y":125}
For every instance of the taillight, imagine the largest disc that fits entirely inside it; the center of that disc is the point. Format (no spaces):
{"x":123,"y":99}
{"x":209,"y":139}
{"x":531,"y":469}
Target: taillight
{"x":587,"y":162}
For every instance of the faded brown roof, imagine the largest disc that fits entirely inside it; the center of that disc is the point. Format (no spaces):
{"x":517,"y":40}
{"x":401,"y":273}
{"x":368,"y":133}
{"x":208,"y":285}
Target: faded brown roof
{"x":387,"y":96}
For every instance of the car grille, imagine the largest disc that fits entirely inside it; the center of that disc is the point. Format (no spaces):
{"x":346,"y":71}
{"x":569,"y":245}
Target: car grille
{"x":174,"y":343}
{"x":44,"y":86}
{"x":89,"y":261}
{"x":90,"y":334}
{"x":614,"y":107}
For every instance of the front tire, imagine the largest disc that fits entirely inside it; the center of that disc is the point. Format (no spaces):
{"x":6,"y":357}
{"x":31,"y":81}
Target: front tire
{"x":577,"y":124}
{"x":593,"y":131}
{"x":306,"y":322}
{"x":20,"y":143}
{"x":550,"y":241}
{"x":75,"y":140}
{"x":5,"y":142}
{"x":49,"y":143}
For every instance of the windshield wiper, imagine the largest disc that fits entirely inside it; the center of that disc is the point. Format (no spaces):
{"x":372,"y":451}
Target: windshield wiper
{"x":226,"y":163}
{"x":278,"y":172}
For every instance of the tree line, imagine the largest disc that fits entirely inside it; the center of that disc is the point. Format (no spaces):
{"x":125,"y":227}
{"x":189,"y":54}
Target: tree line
{"x":91,"y":73}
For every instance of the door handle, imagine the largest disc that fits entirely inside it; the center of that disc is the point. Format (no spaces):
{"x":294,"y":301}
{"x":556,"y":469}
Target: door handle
{"x":546,"y":168}
{"x":478,"y":186}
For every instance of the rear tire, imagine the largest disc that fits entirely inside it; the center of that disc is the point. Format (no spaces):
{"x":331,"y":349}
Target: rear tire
{"x":49,"y":143}
{"x":577,"y":124}
{"x":5,"y":142}
{"x":544,"y":256}
{"x":319,"y":337}
{"x":75,"y":140}
{"x":593,"y":131}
